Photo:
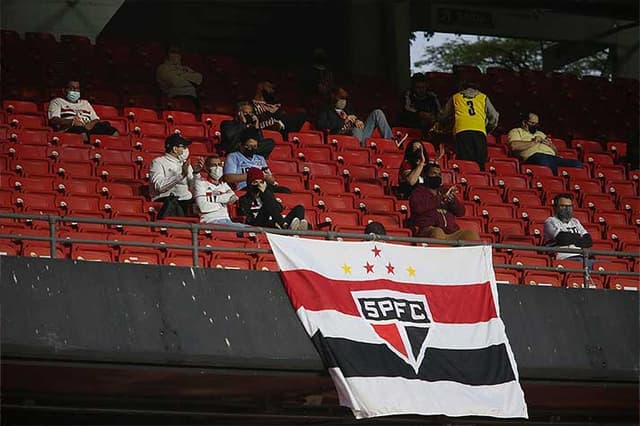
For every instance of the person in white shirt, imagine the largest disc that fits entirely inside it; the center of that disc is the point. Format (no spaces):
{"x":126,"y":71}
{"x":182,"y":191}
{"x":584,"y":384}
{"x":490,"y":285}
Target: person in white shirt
{"x":172,"y":174}
{"x":562,"y":230}
{"x":74,"y":115}
{"x":212,"y":195}
{"x":176,"y":79}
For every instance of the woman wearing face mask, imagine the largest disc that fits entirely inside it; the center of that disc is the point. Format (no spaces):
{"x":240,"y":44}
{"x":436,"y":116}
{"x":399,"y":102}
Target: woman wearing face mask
{"x":434,"y":209}
{"x":412,"y":167}
{"x":212,"y":195}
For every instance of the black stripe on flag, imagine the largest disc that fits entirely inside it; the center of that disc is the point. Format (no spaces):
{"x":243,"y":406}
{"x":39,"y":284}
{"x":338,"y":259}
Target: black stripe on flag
{"x":485,"y":366}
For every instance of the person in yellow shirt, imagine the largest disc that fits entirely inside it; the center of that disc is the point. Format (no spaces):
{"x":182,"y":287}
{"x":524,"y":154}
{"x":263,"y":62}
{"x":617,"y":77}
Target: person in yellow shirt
{"x":532,"y":146}
{"x":472,"y":115}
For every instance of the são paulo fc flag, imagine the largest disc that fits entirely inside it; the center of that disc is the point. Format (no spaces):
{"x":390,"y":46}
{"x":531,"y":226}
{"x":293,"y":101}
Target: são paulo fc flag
{"x":404,"y":330}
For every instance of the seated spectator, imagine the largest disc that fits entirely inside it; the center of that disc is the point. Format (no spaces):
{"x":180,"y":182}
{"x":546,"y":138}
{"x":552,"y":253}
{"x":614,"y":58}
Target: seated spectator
{"x":412,"y":167}
{"x":178,"y":80}
{"x":261,"y":208}
{"x":532,"y":146}
{"x":434,"y":209}
{"x":270,"y":113}
{"x":74,"y":115}
{"x":212,"y":195}
{"x":239,"y":162}
{"x":562,"y":230}
{"x":245,"y":125}
{"x":339,"y":119}
{"x":171,"y":176}
{"x":420,"y":106}
{"x":375,"y":228}
{"x":471,"y":115}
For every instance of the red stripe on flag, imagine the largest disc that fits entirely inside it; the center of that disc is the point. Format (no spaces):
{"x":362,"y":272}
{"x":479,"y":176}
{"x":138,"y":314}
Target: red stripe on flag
{"x":455,"y":304}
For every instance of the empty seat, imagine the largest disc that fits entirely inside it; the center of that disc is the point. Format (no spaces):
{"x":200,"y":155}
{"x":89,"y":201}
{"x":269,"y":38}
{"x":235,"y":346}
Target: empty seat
{"x":314,"y":153}
{"x":304,"y":138}
{"x":179,"y":117}
{"x":92,"y":252}
{"x":541,"y":278}
{"x":342,"y":142}
{"x":140,"y":114}
{"x":331,"y":202}
{"x":232,"y":261}
{"x":327,"y":184}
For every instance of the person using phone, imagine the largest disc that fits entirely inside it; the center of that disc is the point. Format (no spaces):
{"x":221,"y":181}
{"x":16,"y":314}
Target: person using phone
{"x":434,"y":209}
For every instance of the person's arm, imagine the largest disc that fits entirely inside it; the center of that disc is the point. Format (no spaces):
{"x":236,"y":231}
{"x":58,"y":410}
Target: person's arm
{"x":456,"y":206}
{"x":492,"y":115}
{"x":327,"y":121}
{"x":199,"y":194}
{"x":412,"y":176}
{"x":436,"y":101}
{"x":244,"y":208}
{"x":160,"y":180}
{"x":56,"y":121}
{"x":585,"y":237}
{"x":446,"y":115}
{"x":516,"y":143}
{"x":232,"y":171}
{"x":408,"y":105}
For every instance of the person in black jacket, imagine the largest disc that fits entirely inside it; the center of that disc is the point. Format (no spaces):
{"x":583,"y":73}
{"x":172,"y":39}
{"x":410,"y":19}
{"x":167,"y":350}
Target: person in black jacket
{"x":260,"y":207}
{"x":339,"y":118}
{"x":244,"y":126}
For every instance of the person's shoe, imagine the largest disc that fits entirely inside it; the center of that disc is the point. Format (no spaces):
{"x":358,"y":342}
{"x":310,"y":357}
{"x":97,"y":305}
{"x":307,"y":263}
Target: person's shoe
{"x":295,"y":224}
{"x":400,"y":138}
{"x":304,"y":225}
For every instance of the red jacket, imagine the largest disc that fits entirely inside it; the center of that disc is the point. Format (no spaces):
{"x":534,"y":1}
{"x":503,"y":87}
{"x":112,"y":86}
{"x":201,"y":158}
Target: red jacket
{"x":428,"y":208}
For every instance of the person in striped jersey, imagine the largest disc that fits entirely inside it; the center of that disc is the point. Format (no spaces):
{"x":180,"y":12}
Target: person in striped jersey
{"x":271,"y":115}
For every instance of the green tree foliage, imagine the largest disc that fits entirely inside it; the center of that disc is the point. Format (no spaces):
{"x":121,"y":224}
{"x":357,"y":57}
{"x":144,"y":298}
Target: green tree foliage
{"x":515,"y":54}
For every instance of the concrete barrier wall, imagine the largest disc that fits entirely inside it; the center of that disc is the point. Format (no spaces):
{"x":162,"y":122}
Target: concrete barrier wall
{"x":68,"y":310}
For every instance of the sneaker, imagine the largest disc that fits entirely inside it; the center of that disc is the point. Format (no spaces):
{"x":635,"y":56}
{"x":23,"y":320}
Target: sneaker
{"x":295,"y":224}
{"x":304,"y":225}
{"x":400,"y":138}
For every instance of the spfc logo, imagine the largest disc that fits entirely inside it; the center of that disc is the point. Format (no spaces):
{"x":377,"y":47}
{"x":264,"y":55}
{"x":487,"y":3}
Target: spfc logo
{"x":402,"y":320}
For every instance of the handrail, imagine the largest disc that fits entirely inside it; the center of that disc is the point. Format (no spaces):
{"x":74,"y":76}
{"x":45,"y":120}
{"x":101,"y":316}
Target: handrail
{"x":195,"y":228}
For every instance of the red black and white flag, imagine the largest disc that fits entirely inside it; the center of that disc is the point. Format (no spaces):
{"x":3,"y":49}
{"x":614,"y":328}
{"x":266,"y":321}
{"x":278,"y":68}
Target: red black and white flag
{"x":404,"y":330}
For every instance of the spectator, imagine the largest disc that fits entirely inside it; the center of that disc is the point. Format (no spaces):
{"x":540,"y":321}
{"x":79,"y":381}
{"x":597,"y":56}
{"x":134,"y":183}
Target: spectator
{"x":420,"y":106}
{"x":412,"y":167}
{"x":375,"y":228}
{"x":245,"y":125}
{"x":472,"y":115}
{"x":562,"y":230}
{"x":434,"y":209}
{"x":261,"y":208}
{"x":238,"y":163}
{"x":171,"y":176}
{"x":532,"y":146}
{"x":74,"y":115}
{"x":270,"y":114}
{"x":212,"y":195}
{"x":319,"y":80}
{"x":340,"y":119}
{"x":178,"y":80}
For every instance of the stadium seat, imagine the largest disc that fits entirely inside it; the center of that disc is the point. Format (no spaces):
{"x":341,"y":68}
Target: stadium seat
{"x":471,"y":223}
{"x":504,"y":227}
{"x":140,"y":114}
{"x":597,"y":201}
{"x":78,"y":186}
{"x":79,"y":205}
{"x":339,"y":218}
{"x":305,"y":138}
{"x":150,"y":128}
{"x":474,"y":179}
{"x":342,"y":142}
{"x":292,"y":181}
{"x":26,"y":121}
{"x":313,"y":153}
{"x":285,"y":167}
{"x":359,"y":172}
{"x":624,"y":283}
{"x":140,"y":255}
{"x":609,"y":172}
{"x":106,"y":112}
{"x":535,"y":214}
{"x":20,"y":107}
{"x":367,"y":189}
{"x":484,"y":194}
{"x":213,"y":123}
{"x":328,"y":184}
{"x":503,"y":167}
{"x":25,"y":152}
{"x":92,"y":252}
{"x":282,"y":151}
{"x":356,"y":157}
{"x":117,"y":172}
{"x":176,"y":258}
{"x":316,"y":169}
{"x":464,"y":166}
{"x":596,"y":159}
{"x":389,"y":220}
{"x":30,"y":136}
{"x":536,"y":171}
{"x":71,"y":153}
{"x":32,"y":184}
{"x":232,"y":261}
{"x":506,"y":182}
{"x":542,"y":278}
{"x":329,"y":202}
{"x":272,"y":134}
{"x":574,"y":280}
{"x":179,"y":117}
{"x":380,"y":145}
{"x":504,"y":276}
{"x":67,"y":139}
{"x":497,"y":211}
{"x":574,"y":172}
{"x":191,"y":131}
{"x":586,"y":145}
{"x":620,"y":189}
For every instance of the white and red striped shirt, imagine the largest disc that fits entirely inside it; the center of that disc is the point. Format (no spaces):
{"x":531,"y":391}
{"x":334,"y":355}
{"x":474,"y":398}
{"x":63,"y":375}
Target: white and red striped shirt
{"x":62,"y":108}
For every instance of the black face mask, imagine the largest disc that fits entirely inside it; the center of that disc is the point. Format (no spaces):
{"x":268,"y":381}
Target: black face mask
{"x":248,"y":152}
{"x":433,"y":182}
{"x":269,"y":97}
{"x":532,"y":129}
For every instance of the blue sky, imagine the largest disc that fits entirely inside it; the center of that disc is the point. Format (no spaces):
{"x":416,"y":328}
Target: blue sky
{"x":417,"y":48}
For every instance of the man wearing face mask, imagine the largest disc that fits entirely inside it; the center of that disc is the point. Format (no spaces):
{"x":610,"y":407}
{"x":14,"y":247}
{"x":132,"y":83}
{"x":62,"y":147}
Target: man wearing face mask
{"x":176,"y":79}
{"x":434,"y":209}
{"x":339,"y":119}
{"x":212,"y":195}
{"x":238,"y":163}
{"x":243,"y":126}
{"x":172,"y":174}
{"x":261,"y":208}
{"x":532,"y":146}
{"x":565,"y":231}
{"x":271,"y":115}
{"x":411,"y":170}
{"x":72,"y":114}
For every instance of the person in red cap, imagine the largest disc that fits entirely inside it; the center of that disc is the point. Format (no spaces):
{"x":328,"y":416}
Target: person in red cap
{"x":260,"y":207}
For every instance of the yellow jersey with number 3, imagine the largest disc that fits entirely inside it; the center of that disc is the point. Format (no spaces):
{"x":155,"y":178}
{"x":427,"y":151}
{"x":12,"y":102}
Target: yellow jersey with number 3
{"x":470,"y":113}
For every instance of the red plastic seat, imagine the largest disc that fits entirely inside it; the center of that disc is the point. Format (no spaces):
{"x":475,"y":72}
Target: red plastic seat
{"x":535,"y":170}
{"x":32,"y":184}
{"x":507,"y":183}
{"x":574,"y":280}
{"x":328,"y":184}
{"x":597,"y":201}
{"x":574,"y":172}
{"x":504,"y":276}
{"x":360,"y":172}
{"x":22,"y":152}
{"x":78,"y":186}
{"x":484,"y":194}
{"x":282,"y":151}
{"x":389,"y":220}
{"x":313,"y":153}
{"x":315,"y":169}
{"x":609,"y":172}
{"x":535,"y":214}
{"x":330,"y":202}
{"x":367,"y":189}
{"x":123,"y":206}
{"x":76,"y":205}
{"x":471,"y":224}
{"x":356,"y":157}
{"x":464,"y":166}
{"x":304,"y":138}
{"x":271,"y":134}
{"x":289,"y":201}
{"x":618,"y":148}
{"x":150,"y":128}
{"x":586,"y":145}
{"x":67,"y":139}
{"x":140,"y":255}
{"x":176,"y":258}
{"x":140,"y":114}
{"x":26,"y":121}
{"x":281,"y":166}
{"x":388,"y":160}
{"x":624,"y":283}
{"x":380,"y":145}
{"x":377,"y":204}
{"x":342,"y":142}
{"x":106,"y":112}
{"x":30,"y":167}
{"x":213,"y":123}
{"x":232,"y":261}
{"x":71,"y":153}
{"x":92,"y":252}
{"x":503,"y":166}
{"x":292,"y":181}
{"x":542,"y":278}
{"x":110,"y":142}
{"x":340,"y":218}
{"x":179,"y":117}
{"x":40,"y":249}
{"x":497,"y":211}
{"x":20,"y":107}
{"x":621,"y":234}
{"x":191,"y":131}
{"x":117,"y":172}
{"x":475,"y":179}
{"x":74,"y":169}
{"x":620,"y":189}
{"x":504,"y":227}
{"x":548,"y":184}
{"x":30,"y":136}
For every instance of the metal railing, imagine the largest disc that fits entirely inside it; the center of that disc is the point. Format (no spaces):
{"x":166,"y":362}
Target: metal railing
{"x":196,"y":248}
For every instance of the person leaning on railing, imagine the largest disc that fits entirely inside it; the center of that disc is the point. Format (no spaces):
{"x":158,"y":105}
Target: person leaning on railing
{"x":562,"y":230}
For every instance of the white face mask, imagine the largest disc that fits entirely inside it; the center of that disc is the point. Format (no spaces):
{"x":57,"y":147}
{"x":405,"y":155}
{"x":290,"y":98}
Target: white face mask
{"x":341,"y":103}
{"x":184,"y":156}
{"x":73,"y":95}
{"x":215,"y":172}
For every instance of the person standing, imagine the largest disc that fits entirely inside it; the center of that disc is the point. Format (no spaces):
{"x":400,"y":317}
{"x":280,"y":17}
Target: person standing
{"x":472,"y":115}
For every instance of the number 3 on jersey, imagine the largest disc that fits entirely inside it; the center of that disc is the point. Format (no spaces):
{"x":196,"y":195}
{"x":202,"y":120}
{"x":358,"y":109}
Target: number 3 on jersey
{"x":471,"y":109}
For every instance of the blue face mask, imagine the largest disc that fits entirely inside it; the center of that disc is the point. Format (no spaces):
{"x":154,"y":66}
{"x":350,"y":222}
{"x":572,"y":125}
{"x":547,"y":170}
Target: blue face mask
{"x":73,"y":95}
